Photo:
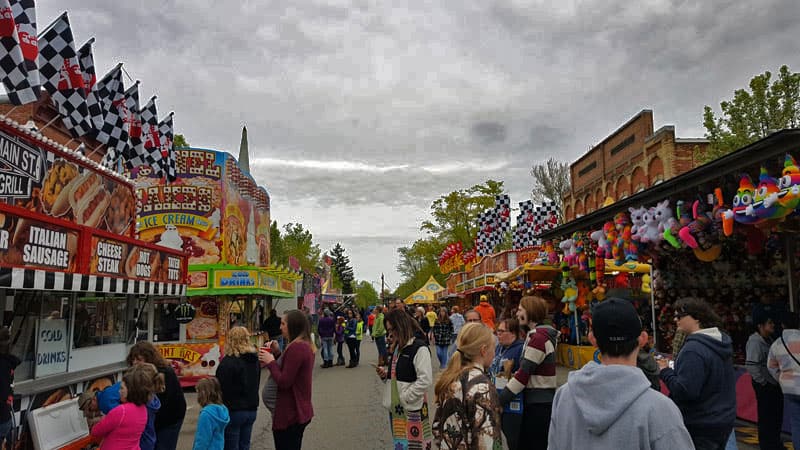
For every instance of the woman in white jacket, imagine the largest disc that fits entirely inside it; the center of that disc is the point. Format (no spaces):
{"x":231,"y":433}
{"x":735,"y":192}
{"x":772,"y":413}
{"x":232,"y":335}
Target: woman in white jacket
{"x":409,"y":375}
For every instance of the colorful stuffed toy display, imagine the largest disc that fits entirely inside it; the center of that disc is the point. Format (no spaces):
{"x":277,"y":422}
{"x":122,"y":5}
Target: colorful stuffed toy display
{"x":637,"y":223}
{"x":743,"y":200}
{"x":624,"y":249}
{"x":789,"y":184}
{"x":765,"y":201}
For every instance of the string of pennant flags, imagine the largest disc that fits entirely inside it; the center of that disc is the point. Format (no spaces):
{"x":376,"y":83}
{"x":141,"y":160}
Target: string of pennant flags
{"x":101,"y":109}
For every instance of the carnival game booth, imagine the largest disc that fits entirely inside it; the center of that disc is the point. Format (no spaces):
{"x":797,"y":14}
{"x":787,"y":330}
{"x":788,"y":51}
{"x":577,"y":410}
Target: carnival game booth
{"x":725,"y":232}
{"x":215,"y":212}
{"x":78,"y":288}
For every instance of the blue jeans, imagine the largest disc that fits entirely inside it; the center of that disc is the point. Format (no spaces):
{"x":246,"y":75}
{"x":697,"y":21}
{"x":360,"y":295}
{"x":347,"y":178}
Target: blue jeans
{"x":5,"y":428}
{"x":792,"y":405}
{"x":442,"y":352}
{"x":239,"y":429}
{"x":380,"y":342}
{"x":327,"y":349}
{"x":167,"y":437}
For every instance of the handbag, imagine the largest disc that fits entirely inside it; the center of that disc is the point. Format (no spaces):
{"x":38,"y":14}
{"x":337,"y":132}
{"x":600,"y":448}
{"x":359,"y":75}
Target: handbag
{"x":269,"y":395}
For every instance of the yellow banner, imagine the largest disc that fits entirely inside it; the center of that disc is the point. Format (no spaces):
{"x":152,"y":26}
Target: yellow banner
{"x":178,"y":219}
{"x":179,"y":352}
{"x":451,"y":264}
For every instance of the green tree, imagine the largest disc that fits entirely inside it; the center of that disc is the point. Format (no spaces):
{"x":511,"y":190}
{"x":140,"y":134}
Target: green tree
{"x":751,"y":115}
{"x":180,"y":141}
{"x":366,"y":294}
{"x":454,"y":215}
{"x":298,"y":242}
{"x":277,"y":250}
{"x":342,"y":268}
{"x":550,"y":181}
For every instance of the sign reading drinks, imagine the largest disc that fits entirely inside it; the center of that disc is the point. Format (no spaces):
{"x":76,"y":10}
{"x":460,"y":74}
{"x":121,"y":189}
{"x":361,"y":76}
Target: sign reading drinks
{"x":213,"y":211}
{"x":51,"y":347}
{"x":113,"y":257}
{"x":48,"y":183}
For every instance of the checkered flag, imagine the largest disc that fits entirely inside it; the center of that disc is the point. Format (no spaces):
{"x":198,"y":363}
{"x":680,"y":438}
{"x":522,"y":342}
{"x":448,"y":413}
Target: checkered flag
{"x":13,"y":70}
{"x":549,"y":215}
{"x":61,"y":75}
{"x":111,"y":129}
{"x":24,"y":12}
{"x":133,"y":119}
{"x":86,"y":62}
{"x":150,"y":137}
{"x":502,"y":208}
{"x":166,"y":135}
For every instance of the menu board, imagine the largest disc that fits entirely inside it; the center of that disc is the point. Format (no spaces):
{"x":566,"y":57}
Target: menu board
{"x":213,"y":210}
{"x":113,"y":257}
{"x":44,"y":182}
{"x":27,"y":242}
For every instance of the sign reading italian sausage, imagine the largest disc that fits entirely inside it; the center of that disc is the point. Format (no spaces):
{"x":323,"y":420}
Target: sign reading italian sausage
{"x":30,"y":243}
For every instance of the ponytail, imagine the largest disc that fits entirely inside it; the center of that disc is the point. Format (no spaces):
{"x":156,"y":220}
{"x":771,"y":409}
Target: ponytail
{"x":468,"y":348}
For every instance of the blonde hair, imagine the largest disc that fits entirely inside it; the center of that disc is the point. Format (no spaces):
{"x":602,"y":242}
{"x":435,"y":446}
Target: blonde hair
{"x":238,"y":343}
{"x":159,"y":385}
{"x":470,"y":339}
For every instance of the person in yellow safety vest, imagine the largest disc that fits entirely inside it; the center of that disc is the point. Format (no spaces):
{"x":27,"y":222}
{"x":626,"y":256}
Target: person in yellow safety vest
{"x":359,"y":337}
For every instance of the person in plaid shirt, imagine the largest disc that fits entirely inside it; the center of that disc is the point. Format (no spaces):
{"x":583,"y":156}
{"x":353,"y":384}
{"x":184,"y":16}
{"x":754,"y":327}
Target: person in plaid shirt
{"x":443,"y":336}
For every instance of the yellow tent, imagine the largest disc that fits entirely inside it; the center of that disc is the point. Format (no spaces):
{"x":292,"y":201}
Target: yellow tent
{"x":425,"y":294}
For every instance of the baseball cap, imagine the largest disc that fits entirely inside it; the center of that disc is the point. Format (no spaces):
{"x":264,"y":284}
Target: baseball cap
{"x":615,"y":321}
{"x":483,"y":298}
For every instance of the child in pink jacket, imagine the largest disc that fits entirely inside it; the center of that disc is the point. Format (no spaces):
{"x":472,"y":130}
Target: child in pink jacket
{"x":122,"y":427}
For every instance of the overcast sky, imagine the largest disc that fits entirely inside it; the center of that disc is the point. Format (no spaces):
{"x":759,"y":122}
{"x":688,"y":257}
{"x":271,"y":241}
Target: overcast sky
{"x":361,"y":113}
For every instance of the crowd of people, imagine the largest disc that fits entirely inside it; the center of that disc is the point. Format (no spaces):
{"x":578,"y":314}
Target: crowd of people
{"x":497,"y":383}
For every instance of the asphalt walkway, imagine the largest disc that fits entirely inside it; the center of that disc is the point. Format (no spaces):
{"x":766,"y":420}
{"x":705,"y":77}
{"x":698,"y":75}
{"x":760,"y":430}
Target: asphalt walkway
{"x":348,"y":412}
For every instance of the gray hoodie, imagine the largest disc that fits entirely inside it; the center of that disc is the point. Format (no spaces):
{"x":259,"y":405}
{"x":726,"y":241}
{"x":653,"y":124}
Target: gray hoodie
{"x":613,"y":407}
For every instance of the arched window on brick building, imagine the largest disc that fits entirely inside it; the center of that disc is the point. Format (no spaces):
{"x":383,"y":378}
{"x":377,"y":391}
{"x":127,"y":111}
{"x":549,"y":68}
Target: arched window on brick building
{"x":579,"y":209}
{"x":568,"y":213}
{"x":655,"y":171}
{"x":610,"y":191}
{"x":599,"y":198}
{"x":623,"y":187}
{"x":638,"y":180}
{"x":588,"y":203}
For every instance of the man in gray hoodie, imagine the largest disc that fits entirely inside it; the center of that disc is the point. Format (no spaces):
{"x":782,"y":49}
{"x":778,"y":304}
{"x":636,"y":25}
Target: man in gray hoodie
{"x":611,"y":406}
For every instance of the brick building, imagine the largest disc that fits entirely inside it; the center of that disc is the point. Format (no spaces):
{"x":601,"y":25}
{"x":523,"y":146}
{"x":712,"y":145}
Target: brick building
{"x":629,"y":160}
{"x":44,"y":116}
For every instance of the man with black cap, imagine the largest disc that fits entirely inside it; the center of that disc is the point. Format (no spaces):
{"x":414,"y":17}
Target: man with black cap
{"x":611,"y":405}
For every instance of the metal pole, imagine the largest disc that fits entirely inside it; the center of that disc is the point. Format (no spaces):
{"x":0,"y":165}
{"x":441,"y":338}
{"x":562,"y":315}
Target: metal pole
{"x":49,"y":123}
{"x":653,"y":309}
{"x":790,"y":269}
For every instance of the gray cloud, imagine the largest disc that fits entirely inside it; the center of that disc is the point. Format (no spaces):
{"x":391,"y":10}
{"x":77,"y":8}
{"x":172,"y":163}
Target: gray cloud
{"x":401,"y":104}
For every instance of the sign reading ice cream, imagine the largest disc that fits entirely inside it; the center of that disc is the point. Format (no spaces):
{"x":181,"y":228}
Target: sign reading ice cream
{"x":213,"y":211}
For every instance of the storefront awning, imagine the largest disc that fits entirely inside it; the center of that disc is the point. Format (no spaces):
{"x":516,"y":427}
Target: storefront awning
{"x":19,"y":278}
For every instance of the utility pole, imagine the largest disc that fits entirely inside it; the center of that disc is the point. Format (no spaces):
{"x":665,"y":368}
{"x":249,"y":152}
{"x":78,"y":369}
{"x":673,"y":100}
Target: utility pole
{"x":382,"y":302}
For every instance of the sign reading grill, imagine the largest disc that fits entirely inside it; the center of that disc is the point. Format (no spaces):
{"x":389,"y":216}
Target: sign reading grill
{"x":20,"y":165}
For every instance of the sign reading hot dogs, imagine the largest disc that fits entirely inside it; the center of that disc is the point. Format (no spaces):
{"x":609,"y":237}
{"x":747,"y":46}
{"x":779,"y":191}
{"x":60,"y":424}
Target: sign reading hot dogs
{"x":113,"y":257}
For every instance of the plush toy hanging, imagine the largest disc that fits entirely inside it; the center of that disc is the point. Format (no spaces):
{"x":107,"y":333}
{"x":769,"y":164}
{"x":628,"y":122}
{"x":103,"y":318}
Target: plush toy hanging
{"x":552,"y":256}
{"x":625,"y":249}
{"x":744,"y":199}
{"x":567,"y":246}
{"x":581,"y":258}
{"x":695,"y":230}
{"x":790,"y":184}
{"x":646,"y":284}
{"x":667,"y":225}
{"x":638,"y":223}
{"x":765,"y":201}
{"x":600,"y":272}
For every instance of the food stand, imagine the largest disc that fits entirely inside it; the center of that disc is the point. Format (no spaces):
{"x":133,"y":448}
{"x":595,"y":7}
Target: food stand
{"x":216,"y":213}
{"x":77,"y":286}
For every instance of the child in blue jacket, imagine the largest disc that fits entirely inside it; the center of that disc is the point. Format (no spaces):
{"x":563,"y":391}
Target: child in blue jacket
{"x":210,"y":434}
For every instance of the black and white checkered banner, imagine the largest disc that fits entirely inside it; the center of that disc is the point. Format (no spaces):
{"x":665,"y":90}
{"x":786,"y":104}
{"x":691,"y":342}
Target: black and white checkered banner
{"x":24,"y":12}
{"x":150,"y":136}
{"x":526,"y":223}
{"x":12,"y":62}
{"x":19,"y":278}
{"x":61,"y":76}
{"x":166,"y":136}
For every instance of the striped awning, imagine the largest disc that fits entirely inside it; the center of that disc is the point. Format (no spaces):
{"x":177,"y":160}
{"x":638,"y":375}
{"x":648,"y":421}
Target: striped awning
{"x":19,"y":278}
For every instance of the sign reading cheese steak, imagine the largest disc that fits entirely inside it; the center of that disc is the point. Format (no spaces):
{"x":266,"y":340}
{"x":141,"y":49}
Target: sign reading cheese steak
{"x":113,"y":257}
{"x":47,"y":182}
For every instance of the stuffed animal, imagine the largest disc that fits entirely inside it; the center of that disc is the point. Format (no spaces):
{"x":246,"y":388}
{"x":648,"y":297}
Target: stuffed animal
{"x":567,"y":246}
{"x":637,"y":222}
{"x":744,"y":200}
{"x":599,"y":236}
{"x":600,"y":272}
{"x":581,"y":258}
{"x":624,"y":250}
{"x":646,"y":284}
{"x":570,"y":289}
{"x":765,"y":201}
{"x":552,"y":256}
{"x":667,"y":225}
{"x":790,"y":184}
{"x":652,"y":231}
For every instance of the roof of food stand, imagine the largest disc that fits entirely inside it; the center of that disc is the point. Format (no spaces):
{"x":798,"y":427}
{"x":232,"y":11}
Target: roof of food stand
{"x":773,"y":145}
{"x":425,"y":294}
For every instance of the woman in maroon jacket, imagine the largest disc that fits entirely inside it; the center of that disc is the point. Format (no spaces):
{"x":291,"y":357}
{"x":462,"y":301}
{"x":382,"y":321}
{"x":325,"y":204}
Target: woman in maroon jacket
{"x":293,"y":409}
